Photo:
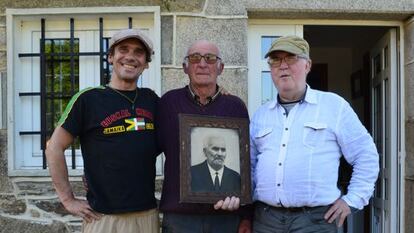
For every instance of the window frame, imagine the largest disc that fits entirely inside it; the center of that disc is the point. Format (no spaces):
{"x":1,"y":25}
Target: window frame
{"x":14,"y":16}
{"x":257,"y":63}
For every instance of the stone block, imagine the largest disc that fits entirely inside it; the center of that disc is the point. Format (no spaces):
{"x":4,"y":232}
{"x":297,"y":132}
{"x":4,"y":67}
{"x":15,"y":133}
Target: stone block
{"x":75,"y":228}
{"x":45,"y":188}
{"x":167,"y":29}
{"x":35,"y":188}
{"x":10,"y":205}
{"x":230,"y":35}
{"x":408,"y":42}
{"x":5,"y":184}
{"x":34,"y":213}
{"x":3,"y":37}
{"x":409,"y":203}
{"x":194,"y":6}
{"x":172,"y":79}
{"x":3,"y":60}
{"x":50,"y":206}
{"x":9,"y":225}
{"x":409,"y":87}
{"x":409,"y":147}
{"x":228,"y":7}
{"x":234,"y":80}
{"x":78,"y":188}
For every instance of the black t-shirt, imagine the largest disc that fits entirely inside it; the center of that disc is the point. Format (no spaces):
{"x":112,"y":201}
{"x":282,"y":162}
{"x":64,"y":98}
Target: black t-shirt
{"x":119,"y":148}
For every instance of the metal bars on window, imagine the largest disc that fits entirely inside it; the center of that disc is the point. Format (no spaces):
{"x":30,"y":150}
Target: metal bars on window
{"x":49,"y":58}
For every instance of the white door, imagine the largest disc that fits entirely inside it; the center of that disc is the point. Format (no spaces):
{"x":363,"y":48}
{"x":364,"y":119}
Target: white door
{"x":383,"y":58}
{"x":260,"y":37}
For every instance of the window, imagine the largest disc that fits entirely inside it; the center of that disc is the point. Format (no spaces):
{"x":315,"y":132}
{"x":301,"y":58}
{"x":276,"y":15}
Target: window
{"x":260,"y":38}
{"x":54,"y":55}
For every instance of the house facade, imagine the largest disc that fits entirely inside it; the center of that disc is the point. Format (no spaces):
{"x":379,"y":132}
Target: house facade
{"x":362,"y":50}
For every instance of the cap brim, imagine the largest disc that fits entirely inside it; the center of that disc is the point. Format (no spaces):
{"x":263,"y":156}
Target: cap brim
{"x":288,"y":50}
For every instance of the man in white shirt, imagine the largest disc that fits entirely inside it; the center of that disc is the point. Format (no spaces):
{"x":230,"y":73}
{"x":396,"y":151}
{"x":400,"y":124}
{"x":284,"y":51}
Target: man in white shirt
{"x":297,"y":141}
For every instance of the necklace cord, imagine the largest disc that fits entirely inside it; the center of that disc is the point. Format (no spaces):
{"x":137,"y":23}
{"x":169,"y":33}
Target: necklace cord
{"x":126,"y":97}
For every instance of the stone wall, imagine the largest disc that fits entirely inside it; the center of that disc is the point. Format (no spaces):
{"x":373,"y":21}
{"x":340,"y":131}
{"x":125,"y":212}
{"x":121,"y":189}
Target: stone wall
{"x":409,"y":126}
{"x":210,"y":23}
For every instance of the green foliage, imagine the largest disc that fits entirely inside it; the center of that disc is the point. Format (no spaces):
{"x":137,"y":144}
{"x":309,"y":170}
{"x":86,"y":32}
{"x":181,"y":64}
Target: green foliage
{"x":60,"y":86}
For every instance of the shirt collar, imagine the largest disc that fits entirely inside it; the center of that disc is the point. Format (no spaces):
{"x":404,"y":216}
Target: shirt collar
{"x":210,"y":99}
{"x":213,"y":172}
{"x":309,"y":97}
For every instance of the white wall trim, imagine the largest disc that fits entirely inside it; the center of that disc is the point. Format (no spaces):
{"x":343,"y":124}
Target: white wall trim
{"x":2,"y":111}
{"x":174,"y":49}
{"x":10,"y":92}
{"x":201,"y":15}
{"x":326,"y":22}
{"x":401,"y":152}
{"x":80,"y":10}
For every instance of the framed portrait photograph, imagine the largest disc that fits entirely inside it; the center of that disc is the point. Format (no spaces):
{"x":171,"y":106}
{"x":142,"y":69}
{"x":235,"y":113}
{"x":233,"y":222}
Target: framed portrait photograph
{"x":214,"y":159}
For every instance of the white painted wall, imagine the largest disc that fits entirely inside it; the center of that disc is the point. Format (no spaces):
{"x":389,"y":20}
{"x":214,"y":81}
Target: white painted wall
{"x":342,"y":62}
{"x":339,"y":62}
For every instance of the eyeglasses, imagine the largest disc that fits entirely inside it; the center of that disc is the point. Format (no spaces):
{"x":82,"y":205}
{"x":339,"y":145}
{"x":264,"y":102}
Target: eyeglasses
{"x":196,"y":58}
{"x":276,"y":62}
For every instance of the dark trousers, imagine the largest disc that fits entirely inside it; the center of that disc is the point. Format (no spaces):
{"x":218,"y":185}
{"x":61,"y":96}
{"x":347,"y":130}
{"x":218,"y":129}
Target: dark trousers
{"x":269,"y":219}
{"x":185,"y":223}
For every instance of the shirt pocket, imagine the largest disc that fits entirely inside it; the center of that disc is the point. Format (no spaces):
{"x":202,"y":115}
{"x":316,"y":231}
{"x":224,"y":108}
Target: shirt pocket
{"x":261,"y":139}
{"x":314,"y":134}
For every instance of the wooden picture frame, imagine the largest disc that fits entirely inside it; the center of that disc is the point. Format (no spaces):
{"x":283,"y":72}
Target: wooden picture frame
{"x":200,"y":136}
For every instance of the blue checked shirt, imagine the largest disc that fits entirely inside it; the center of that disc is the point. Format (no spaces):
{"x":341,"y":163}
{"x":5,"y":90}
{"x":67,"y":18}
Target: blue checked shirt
{"x":295,"y":157}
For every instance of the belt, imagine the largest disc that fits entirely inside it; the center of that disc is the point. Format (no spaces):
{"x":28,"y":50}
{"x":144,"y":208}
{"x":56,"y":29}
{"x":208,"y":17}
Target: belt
{"x":289,"y":209}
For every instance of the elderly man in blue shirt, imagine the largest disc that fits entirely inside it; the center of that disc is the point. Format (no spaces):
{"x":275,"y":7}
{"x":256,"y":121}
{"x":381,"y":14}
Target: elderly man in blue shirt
{"x":297,"y":141}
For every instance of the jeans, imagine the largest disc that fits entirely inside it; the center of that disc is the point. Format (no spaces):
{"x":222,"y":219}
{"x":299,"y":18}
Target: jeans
{"x":269,"y":219}
{"x":186,"y":223}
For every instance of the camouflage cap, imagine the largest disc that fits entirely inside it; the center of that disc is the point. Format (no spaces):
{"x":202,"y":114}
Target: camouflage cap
{"x":291,"y":44}
{"x":122,"y":35}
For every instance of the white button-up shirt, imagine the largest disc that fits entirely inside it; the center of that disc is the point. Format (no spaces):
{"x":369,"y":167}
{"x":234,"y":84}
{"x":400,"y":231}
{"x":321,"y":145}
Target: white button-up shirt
{"x":295,"y":157}
{"x":213,"y":173}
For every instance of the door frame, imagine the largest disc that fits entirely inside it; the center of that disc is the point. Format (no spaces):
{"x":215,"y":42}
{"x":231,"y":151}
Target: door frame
{"x":383,"y":79}
{"x":399,"y":115}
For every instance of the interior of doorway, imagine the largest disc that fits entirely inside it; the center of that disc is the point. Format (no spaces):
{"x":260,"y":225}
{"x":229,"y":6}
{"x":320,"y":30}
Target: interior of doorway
{"x":340,"y":57}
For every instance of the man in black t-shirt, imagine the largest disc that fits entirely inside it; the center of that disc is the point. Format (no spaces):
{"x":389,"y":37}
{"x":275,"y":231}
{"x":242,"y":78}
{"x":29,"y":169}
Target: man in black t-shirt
{"x":115,"y":125}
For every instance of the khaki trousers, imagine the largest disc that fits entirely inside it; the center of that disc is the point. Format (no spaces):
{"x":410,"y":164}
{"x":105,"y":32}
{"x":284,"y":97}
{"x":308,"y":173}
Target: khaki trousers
{"x":134,"y":222}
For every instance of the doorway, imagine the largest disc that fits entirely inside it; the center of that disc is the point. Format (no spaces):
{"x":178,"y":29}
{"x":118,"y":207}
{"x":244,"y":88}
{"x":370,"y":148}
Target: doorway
{"x":347,"y":54}
{"x":343,"y":59}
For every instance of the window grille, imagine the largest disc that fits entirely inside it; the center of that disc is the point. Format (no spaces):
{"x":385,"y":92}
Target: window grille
{"x":59,"y":79}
